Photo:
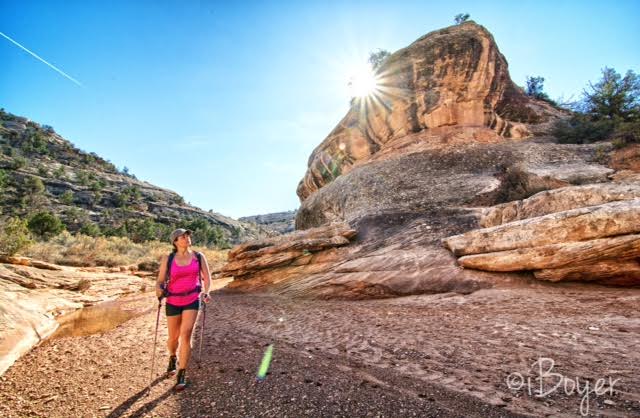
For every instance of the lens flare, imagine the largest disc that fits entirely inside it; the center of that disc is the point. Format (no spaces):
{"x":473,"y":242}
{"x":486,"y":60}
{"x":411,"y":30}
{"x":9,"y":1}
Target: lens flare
{"x":363,"y":82}
{"x":264,"y":364}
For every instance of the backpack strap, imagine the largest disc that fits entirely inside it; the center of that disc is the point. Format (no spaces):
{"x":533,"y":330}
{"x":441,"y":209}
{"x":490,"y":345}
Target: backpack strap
{"x":167,"y":276}
{"x":199,"y":257}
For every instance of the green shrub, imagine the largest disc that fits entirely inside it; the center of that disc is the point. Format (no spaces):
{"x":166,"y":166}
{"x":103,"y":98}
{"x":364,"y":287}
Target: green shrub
{"x":121,"y":200}
{"x":618,"y":144}
{"x":204,"y":233}
{"x":15,"y":236}
{"x":4,"y":179}
{"x":67,"y":197}
{"x":535,"y":89}
{"x":82,"y":177}
{"x":18,"y":163}
{"x":38,"y":143}
{"x":45,"y":225}
{"x":97,"y":185}
{"x":88,"y":158}
{"x":461,"y":18}
{"x":609,"y":109}
{"x":90,"y":229}
{"x":9,"y":151}
{"x":75,"y":217}
{"x":580,"y":129}
{"x":628,"y":132}
{"x":59,"y":173}
{"x":614,"y":96}
{"x":601,"y":156}
{"x":34,"y":185}
{"x":142,"y":230}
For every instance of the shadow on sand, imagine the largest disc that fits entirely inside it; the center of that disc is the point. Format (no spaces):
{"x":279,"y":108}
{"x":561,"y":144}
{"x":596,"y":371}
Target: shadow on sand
{"x":124,"y":406}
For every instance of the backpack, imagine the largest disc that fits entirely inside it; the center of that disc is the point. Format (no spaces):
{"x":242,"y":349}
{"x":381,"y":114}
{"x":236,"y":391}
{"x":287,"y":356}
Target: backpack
{"x":167,"y":276}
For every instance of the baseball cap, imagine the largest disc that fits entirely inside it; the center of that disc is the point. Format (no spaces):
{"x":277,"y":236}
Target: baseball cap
{"x":179,"y":232}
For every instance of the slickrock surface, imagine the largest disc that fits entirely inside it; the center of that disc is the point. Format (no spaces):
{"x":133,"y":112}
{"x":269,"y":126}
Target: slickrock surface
{"x":445,"y":355}
{"x":33,"y":294}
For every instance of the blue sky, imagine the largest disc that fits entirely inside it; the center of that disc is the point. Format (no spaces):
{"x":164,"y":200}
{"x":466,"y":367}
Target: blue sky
{"x":224,"y":103}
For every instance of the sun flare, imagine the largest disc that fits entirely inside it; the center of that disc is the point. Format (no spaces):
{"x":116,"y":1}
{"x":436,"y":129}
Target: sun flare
{"x":363,"y":82}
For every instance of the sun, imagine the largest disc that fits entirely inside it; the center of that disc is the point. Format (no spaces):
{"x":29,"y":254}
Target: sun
{"x":362,"y":82}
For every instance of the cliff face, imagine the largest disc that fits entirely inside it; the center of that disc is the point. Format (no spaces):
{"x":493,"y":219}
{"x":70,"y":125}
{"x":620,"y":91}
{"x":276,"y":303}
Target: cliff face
{"x":41,"y":171}
{"x":451,"y":86}
{"x":280,"y":222}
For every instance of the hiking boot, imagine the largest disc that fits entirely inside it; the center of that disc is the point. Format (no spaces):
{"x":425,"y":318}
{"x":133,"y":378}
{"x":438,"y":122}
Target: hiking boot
{"x":171,"y":368}
{"x":181,"y":382}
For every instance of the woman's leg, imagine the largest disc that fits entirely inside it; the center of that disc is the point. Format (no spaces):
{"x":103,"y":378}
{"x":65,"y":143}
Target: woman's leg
{"x":189,"y":317}
{"x":173,"y":323}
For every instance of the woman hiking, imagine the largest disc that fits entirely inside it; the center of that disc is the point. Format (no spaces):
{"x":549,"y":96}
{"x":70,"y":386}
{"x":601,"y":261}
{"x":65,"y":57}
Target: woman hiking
{"x":185,"y":280}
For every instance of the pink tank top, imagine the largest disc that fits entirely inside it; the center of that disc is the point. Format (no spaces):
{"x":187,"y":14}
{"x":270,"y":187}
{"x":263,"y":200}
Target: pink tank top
{"x":184,"y":279}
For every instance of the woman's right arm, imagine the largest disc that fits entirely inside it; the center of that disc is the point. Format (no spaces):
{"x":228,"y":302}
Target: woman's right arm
{"x":161,"y":276}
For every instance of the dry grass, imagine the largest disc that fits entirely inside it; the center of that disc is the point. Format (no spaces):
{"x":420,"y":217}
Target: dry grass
{"x":86,"y":251}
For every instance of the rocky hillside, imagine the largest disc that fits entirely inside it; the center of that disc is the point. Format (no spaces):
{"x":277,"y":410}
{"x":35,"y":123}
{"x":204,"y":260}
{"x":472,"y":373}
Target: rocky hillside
{"x":280,"y":222}
{"x":41,"y":171}
{"x":450,"y":151}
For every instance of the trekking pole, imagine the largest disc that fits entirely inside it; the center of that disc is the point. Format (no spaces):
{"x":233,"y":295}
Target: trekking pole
{"x":155,"y":338}
{"x":204,"y":317}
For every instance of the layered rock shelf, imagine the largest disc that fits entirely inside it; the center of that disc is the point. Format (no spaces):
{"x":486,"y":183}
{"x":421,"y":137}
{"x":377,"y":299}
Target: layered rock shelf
{"x":282,"y":258}
{"x":588,"y":233}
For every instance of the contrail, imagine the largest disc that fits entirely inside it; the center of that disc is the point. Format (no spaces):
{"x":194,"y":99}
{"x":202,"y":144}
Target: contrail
{"x":50,"y":65}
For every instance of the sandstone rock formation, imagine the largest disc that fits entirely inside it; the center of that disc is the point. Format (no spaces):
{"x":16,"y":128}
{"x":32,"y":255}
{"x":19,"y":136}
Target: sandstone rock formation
{"x":558,"y":200}
{"x":33,"y":294}
{"x":450,"y":145}
{"x":327,"y":262}
{"x":588,"y":233}
{"x":450,"y":86}
{"x":288,"y":255}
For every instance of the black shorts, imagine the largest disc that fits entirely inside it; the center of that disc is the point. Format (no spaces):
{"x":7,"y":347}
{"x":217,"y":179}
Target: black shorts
{"x":173,"y":310}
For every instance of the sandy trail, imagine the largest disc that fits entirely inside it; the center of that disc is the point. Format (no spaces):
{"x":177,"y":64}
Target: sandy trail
{"x":430,"y":355}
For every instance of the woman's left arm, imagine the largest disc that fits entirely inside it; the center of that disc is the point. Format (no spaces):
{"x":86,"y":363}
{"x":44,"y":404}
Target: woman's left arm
{"x":206,"y":276}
